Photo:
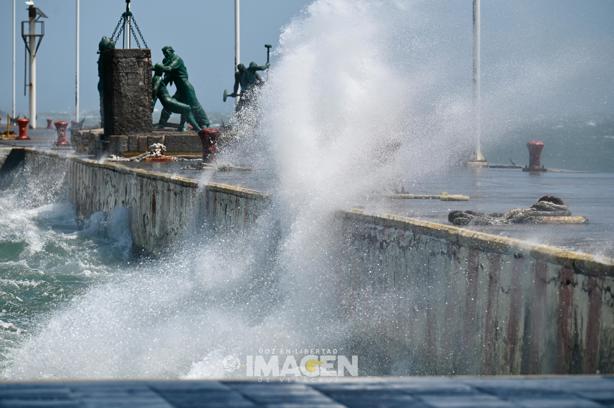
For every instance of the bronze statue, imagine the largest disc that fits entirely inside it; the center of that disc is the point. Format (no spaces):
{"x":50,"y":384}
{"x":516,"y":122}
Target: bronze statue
{"x":175,"y":72}
{"x":105,"y":44}
{"x":170,"y":104}
{"x":248,"y":79}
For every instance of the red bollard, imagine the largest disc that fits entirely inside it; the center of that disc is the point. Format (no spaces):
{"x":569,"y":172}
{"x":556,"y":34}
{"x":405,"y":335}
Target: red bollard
{"x":208,"y":138}
{"x":23,"y":129}
{"x":61,"y":126}
{"x":535,"y":150}
{"x":49,"y":123}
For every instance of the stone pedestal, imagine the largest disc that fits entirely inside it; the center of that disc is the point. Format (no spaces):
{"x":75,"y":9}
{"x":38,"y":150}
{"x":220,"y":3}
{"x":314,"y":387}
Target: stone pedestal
{"x":91,"y":141}
{"x":127,"y":92}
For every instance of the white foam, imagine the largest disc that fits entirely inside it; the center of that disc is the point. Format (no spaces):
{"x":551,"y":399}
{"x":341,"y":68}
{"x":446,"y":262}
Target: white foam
{"x":359,"y":98}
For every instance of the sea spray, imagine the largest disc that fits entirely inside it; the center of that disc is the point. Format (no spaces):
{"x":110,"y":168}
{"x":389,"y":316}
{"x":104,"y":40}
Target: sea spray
{"x":360,"y":98}
{"x":45,"y":258}
{"x":335,"y":122}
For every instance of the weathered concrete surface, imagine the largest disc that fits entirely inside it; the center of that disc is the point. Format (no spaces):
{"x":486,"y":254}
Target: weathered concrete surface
{"x":127,"y":91}
{"x":406,"y":392}
{"x":464,"y":302}
{"x":88,"y":141}
{"x":161,"y":207}
{"x":447,"y":299}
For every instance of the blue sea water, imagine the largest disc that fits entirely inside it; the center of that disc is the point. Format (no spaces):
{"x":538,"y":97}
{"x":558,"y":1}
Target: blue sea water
{"x":46,"y":257}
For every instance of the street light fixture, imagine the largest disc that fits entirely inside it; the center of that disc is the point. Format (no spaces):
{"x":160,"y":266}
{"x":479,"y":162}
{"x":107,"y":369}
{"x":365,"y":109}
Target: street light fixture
{"x":32,"y":39}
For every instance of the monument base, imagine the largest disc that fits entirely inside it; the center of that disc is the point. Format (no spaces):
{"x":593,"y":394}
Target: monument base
{"x":92,"y":142}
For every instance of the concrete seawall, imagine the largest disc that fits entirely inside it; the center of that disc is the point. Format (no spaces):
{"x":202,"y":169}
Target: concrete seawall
{"x":447,"y":299}
{"x":465,"y":302}
{"x":161,"y":206}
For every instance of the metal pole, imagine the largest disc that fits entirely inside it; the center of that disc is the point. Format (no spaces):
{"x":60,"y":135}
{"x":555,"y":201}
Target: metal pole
{"x":13,"y":105}
{"x":237,"y":38}
{"x":477,"y":92}
{"x":32,"y":40}
{"x":127,"y":24}
{"x":237,"y":32}
{"x":77,"y":58}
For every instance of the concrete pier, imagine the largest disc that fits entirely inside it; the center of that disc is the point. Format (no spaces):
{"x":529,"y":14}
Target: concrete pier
{"x":481,"y":304}
{"x":452,"y":300}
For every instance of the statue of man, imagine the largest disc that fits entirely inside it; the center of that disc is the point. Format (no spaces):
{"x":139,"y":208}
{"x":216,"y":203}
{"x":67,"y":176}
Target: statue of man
{"x":105,"y":44}
{"x":175,"y":72}
{"x":170,"y":104}
{"x":248,"y":79}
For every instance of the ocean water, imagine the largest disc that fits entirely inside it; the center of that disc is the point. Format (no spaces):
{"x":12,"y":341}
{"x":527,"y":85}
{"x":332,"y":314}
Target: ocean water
{"x":46,"y":258}
{"x":348,"y":109}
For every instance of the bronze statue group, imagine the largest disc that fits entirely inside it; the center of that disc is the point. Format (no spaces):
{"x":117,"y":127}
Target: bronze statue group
{"x":172,"y":70}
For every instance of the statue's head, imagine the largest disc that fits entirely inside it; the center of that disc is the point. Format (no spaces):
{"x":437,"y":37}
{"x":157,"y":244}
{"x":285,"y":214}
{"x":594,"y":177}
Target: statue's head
{"x":105,"y":44}
{"x":253,"y":65}
{"x":168,"y":51}
{"x":158,"y":69}
{"x":241,"y":67}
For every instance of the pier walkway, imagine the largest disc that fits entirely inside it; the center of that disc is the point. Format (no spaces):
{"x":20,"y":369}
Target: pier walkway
{"x":410,"y":392}
{"x":491,"y":190}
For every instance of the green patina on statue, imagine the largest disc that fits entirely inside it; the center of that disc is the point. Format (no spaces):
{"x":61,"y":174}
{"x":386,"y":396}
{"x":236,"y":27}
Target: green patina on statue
{"x":175,"y":72}
{"x":170,"y":104}
{"x":248,"y":79}
{"x":105,"y":44}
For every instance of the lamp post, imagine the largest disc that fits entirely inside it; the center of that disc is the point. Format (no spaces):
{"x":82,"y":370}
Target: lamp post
{"x":13,"y":73}
{"x":237,"y":32}
{"x":237,"y":38}
{"x":478,"y":159}
{"x":32,"y":40}
{"x":77,"y":58}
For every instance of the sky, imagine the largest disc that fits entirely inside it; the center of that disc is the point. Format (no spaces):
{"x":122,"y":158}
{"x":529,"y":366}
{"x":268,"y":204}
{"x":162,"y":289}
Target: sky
{"x":201,"y":31}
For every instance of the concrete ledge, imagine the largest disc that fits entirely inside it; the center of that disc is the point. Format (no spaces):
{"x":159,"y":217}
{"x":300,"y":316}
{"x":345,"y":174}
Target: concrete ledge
{"x":585,"y":263}
{"x":468,"y":302}
{"x":162,"y":206}
{"x":89,"y":141}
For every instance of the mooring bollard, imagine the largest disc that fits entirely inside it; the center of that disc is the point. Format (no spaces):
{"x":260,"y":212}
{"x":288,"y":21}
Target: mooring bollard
{"x":49,"y":123}
{"x":208,"y":138}
{"x":23,"y":123}
{"x":535,"y":150}
{"x":60,"y":127}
